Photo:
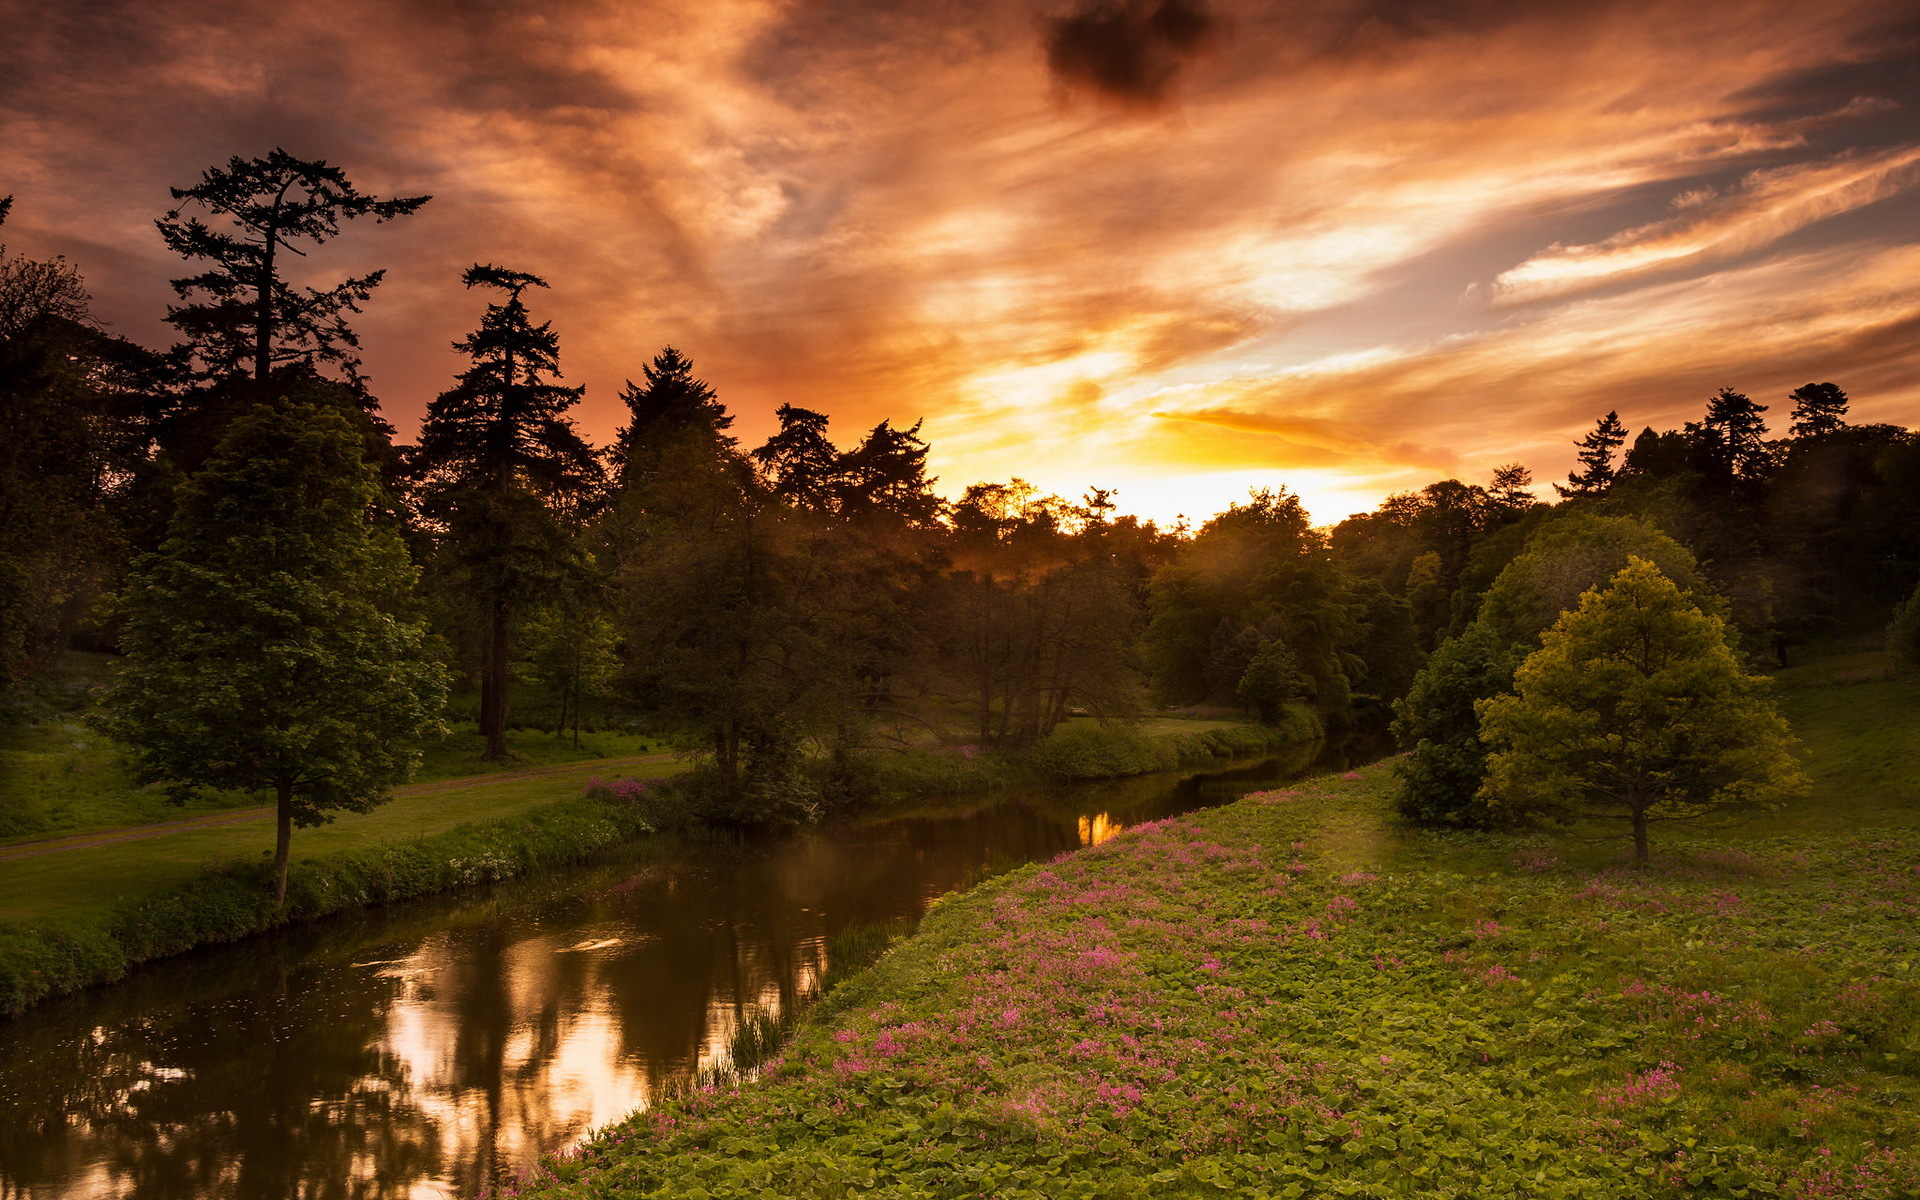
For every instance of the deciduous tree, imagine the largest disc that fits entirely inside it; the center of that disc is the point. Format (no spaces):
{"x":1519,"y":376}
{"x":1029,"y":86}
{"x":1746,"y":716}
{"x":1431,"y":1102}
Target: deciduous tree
{"x":1636,"y":708}
{"x":271,"y":643}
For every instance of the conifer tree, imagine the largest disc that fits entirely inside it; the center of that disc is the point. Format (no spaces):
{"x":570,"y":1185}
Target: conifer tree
{"x":672,"y":406}
{"x":1731,"y":438}
{"x":271,"y":642}
{"x":1818,"y":409}
{"x":1596,"y":471}
{"x":504,"y":471}
{"x":799,"y":461}
{"x":247,"y":318}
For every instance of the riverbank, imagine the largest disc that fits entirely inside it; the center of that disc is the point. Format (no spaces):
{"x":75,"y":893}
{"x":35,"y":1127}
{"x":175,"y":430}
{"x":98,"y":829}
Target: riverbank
{"x":84,"y":909}
{"x":86,"y":915}
{"x":1297,"y":995}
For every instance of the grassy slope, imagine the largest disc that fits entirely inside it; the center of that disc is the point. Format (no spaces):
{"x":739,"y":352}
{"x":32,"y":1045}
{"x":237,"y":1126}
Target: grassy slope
{"x":96,"y":879}
{"x":1295,"y":995}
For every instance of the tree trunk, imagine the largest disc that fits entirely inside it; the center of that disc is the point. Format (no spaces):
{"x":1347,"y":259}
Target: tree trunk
{"x":283,"y":840}
{"x":263,"y":315}
{"x":493,"y":688}
{"x":1639,"y":836}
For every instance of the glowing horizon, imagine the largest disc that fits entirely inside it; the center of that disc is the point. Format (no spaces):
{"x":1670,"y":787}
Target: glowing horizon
{"x":1345,"y":246}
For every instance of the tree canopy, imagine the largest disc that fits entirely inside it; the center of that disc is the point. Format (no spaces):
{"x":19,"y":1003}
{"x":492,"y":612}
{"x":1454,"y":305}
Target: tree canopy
{"x":1636,"y":708}
{"x":240,"y":313}
{"x":272,"y":643}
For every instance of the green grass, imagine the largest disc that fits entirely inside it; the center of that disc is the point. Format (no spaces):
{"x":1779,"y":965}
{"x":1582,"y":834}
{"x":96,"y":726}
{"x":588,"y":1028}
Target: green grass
{"x":1296,"y":995}
{"x":89,"y":881}
{"x":58,"y":776}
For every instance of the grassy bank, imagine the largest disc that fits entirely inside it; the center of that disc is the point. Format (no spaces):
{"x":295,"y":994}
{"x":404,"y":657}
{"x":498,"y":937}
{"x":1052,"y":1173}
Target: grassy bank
{"x":1296,"y":995}
{"x":82,"y":945}
{"x":1085,"y":750}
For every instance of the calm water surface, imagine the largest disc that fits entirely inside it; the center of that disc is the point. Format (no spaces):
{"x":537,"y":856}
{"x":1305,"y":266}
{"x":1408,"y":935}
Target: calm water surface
{"x":427,"y":1050}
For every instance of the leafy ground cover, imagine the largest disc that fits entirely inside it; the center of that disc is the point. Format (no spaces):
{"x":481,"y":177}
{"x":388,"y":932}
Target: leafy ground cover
{"x":1296,"y":995}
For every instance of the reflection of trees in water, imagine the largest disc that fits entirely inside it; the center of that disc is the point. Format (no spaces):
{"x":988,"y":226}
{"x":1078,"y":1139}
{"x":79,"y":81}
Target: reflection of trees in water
{"x":282,"y":1094}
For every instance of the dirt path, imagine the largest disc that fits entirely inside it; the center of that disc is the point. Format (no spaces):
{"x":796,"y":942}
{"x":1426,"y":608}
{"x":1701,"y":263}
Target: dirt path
{"x":134,"y":833}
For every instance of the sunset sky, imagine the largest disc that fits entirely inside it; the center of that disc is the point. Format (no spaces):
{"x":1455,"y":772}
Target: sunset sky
{"x":1170,"y":248}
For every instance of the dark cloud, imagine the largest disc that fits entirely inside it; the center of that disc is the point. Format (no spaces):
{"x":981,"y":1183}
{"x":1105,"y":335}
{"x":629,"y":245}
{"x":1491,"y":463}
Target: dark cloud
{"x":1129,"y":50}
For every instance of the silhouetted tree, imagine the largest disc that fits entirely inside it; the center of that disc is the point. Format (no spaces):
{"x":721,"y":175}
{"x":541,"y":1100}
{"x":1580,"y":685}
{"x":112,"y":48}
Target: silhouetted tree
{"x":505,"y":473}
{"x":800,"y":463}
{"x":248,"y":317}
{"x":1818,"y":409}
{"x":1730,"y":440}
{"x":1596,"y":471}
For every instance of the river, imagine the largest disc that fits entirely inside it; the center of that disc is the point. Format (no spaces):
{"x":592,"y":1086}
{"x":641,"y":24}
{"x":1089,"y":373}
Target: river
{"x":430,"y":1049}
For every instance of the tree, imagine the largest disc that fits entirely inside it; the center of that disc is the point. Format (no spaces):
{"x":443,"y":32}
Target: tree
{"x":1903,"y":632}
{"x":1636,"y":708}
{"x":1441,"y":775}
{"x":248,"y":316}
{"x":799,"y":462}
{"x":271,"y":642}
{"x":1730,"y":440}
{"x":672,"y":407}
{"x":504,"y":470}
{"x":1596,"y":473}
{"x":1818,"y":409}
{"x":1271,"y":681}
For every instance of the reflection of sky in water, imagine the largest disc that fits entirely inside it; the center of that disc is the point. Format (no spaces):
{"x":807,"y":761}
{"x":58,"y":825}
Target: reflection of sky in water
{"x":430,"y":1049}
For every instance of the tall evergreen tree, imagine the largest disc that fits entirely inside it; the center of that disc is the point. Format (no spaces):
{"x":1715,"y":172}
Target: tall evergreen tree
{"x":1730,"y":440}
{"x":1818,"y":409}
{"x":799,"y":461}
{"x":504,"y":472}
{"x":1596,"y":471}
{"x":670,"y":406}
{"x":247,"y":318}
{"x":271,"y":642}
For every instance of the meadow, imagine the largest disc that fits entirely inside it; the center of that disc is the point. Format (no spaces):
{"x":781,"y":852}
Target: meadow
{"x":1299,"y":995}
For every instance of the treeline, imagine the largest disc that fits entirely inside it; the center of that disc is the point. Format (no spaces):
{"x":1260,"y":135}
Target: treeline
{"x":793,"y":608}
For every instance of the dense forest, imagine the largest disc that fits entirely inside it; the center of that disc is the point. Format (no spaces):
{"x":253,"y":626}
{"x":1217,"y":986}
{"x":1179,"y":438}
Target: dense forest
{"x":789,"y":610}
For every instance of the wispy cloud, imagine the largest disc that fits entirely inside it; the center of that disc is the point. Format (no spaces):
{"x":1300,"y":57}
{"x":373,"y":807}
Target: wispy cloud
{"x":1762,"y":208}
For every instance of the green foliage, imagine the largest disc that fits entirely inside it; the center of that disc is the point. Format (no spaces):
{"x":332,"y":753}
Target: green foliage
{"x":1903,"y":632}
{"x":1436,"y":722}
{"x":1233,"y":1003}
{"x":1271,"y":680}
{"x":234,"y":901}
{"x":1571,"y":553}
{"x":270,"y":643}
{"x":1095,"y":750}
{"x":1635,"y":707}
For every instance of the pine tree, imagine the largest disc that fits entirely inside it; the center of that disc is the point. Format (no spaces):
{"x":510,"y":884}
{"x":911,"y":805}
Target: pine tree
{"x":671,"y":407}
{"x":248,"y":318}
{"x":1818,"y":409}
{"x":1596,"y":472}
{"x":799,"y":461}
{"x":271,"y":642}
{"x":1731,"y":439}
{"x":1636,"y":708}
{"x":504,"y":471}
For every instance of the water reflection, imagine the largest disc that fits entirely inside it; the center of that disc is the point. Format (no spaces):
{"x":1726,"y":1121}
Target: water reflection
{"x":432,"y":1049}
